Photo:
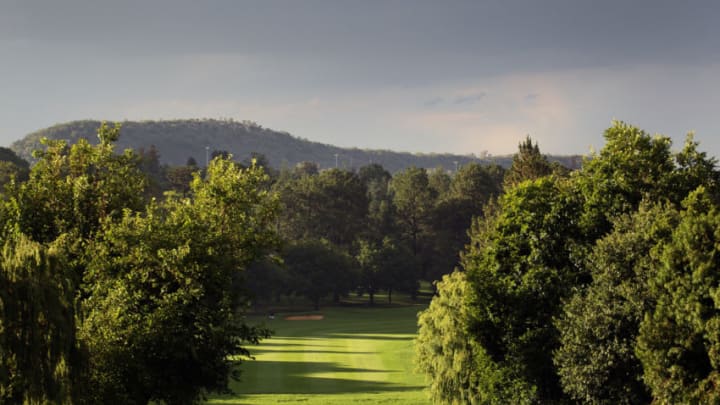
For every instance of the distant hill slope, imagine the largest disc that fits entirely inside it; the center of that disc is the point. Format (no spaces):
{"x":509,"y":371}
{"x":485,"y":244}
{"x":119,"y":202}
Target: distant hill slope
{"x":178,"y":140}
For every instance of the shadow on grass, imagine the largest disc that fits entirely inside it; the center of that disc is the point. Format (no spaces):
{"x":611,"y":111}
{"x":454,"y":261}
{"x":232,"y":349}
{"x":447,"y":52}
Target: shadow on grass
{"x":298,"y":378}
{"x":369,"y":337}
{"x":260,"y":351}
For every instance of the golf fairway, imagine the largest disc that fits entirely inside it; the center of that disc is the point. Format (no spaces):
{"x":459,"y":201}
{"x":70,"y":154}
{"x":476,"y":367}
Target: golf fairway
{"x":352,"y":355}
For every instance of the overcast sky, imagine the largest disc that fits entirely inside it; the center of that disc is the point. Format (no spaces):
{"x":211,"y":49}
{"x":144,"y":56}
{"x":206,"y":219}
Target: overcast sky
{"x":420,"y":76}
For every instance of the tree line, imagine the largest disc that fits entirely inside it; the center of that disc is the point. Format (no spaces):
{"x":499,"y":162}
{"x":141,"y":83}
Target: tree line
{"x":126,"y":281}
{"x":357,"y":231}
{"x":600,"y":286}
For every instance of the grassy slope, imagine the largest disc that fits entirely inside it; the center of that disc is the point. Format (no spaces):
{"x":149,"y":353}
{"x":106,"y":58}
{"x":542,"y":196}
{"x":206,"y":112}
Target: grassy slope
{"x":354,"y":355}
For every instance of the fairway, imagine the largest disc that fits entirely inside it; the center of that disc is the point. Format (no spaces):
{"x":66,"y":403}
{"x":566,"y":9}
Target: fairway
{"x":353,"y":355}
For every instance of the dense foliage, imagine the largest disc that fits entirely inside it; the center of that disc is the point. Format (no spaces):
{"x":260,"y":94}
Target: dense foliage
{"x":599,"y":287}
{"x":123,"y":280}
{"x":107,"y":298}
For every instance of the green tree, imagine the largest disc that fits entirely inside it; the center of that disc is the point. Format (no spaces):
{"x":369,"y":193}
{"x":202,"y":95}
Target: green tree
{"x":50,"y":219}
{"x":12,"y":167}
{"x":520,"y":268}
{"x":161,"y":321}
{"x":413,"y":199}
{"x":266,"y":280}
{"x":381,"y":217}
{"x":319,"y":269}
{"x":599,"y":326}
{"x":38,"y":351}
{"x":443,"y":352}
{"x":472,"y":187}
{"x":385,"y":265}
{"x":439,"y":181}
{"x":527,"y":164}
{"x":679,"y":340}
{"x":332,"y":205}
{"x":631,"y":166}
{"x":120,"y":303}
{"x":178,"y":178}
{"x":71,"y":189}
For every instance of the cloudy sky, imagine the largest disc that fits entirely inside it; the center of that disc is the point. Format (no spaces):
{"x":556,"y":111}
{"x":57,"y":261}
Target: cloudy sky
{"x":420,"y":76}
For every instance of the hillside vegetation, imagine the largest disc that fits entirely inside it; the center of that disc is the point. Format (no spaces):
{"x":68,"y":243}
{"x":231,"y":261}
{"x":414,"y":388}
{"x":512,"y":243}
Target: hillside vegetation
{"x":179,"y":140}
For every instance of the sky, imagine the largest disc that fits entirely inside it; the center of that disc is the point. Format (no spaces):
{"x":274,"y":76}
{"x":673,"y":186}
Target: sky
{"x":409,"y":75}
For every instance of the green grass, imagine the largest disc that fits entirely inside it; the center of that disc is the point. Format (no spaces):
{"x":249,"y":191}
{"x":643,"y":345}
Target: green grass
{"x":355,"y":355}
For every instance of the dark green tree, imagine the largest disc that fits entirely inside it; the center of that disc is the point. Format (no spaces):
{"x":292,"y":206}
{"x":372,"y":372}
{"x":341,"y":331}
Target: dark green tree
{"x":679,"y":340}
{"x":38,"y":350}
{"x":12,"y":167}
{"x":319,"y":269}
{"x":472,"y":187}
{"x":413,"y":200}
{"x":527,"y":164}
{"x":599,"y":325}
{"x":332,"y":205}
{"x":520,"y":269}
{"x":385,"y":265}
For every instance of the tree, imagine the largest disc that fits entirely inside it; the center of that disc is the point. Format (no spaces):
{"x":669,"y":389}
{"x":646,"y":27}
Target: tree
{"x":12,"y":167}
{"x":266,"y":280}
{"x":443,"y":352}
{"x":47,"y":223}
{"x":679,"y":340}
{"x":161,"y":322}
{"x":306,"y":169}
{"x":439,"y":181}
{"x":180,"y":177}
{"x":631,"y":166}
{"x":414,"y":199}
{"x":380,"y":220}
{"x":385,"y":265}
{"x":320,"y":269}
{"x":599,"y":326}
{"x":332,"y":205}
{"x":127,"y":303}
{"x":38,"y":351}
{"x":72,"y":189}
{"x":520,"y":269}
{"x":472,"y":187}
{"x":527,"y":164}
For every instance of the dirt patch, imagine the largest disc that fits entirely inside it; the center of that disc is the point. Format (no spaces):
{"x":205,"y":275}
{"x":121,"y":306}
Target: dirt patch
{"x":304,"y":317}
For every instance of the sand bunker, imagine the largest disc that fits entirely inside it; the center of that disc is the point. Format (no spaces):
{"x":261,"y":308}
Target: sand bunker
{"x":304,"y":317}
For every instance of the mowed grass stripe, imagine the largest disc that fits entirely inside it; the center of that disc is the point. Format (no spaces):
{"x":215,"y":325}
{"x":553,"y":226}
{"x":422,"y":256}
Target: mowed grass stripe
{"x":354,"y":355}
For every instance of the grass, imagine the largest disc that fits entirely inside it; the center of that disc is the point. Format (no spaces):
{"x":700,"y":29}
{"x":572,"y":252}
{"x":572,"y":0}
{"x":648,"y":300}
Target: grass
{"x":354,"y":355}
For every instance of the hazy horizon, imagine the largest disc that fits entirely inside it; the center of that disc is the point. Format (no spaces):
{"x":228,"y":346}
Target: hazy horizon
{"x":420,"y":76}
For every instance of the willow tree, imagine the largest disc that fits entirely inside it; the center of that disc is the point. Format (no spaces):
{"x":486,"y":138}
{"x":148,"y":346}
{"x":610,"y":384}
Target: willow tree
{"x":38,"y":353}
{"x":107,"y":300}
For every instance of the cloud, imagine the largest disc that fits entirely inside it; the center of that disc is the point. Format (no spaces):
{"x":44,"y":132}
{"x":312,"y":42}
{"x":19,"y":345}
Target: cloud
{"x":531,"y":98}
{"x":469,"y":99}
{"x":433,"y":102}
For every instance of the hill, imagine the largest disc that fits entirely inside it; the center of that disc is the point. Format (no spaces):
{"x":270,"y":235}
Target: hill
{"x":178,"y":140}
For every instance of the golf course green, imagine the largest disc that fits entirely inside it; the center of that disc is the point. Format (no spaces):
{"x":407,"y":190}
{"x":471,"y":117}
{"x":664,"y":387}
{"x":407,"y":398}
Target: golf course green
{"x":351,"y":355}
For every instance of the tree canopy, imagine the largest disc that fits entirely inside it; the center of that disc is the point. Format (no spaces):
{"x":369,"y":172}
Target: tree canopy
{"x":109,"y":299}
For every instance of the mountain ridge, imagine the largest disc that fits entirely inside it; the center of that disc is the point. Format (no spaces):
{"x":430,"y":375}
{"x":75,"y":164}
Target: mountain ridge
{"x":178,"y":140}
